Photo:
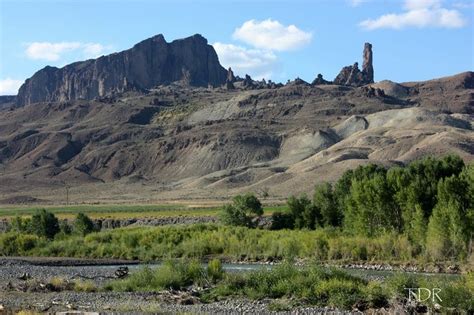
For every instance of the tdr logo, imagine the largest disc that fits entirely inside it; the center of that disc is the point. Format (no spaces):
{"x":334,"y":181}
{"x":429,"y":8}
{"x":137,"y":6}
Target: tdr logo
{"x":424,"y":294}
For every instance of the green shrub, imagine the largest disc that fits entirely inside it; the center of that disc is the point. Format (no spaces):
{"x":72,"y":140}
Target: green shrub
{"x":171,"y":275}
{"x":83,"y":225}
{"x":13,"y":243}
{"x":397,"y":285}
{"x":44,"y":223}
{"x":214,"y":270}
{"x":242,"y":210}
{"x":19,"y":224}
{"x":341,"y":293}
{"x":281,"y":221}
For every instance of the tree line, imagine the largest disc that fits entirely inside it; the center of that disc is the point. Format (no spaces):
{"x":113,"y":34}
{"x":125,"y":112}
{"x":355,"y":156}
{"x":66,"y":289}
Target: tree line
{"x":430,"y":201}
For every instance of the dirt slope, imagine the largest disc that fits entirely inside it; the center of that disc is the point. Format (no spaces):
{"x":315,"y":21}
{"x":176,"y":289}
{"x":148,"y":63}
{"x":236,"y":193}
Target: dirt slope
{"x":175,"y":142}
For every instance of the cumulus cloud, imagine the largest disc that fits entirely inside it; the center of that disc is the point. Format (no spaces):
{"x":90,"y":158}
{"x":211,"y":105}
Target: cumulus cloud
{"x":420,"y":14}
{"x":10,"y":86}
{"x":272,"y":35}
{"x":255,"y":62}
{"x":55,"y":51}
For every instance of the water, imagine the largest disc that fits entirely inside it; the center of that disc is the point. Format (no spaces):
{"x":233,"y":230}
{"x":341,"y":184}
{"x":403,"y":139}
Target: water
{"x":230,"y":267}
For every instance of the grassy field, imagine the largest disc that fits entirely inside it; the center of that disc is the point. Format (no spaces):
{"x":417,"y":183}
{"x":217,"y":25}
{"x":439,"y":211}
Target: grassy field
{"x":120,"y":211}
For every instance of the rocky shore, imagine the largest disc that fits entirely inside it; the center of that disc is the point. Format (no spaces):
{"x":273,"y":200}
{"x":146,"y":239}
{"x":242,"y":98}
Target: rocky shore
{"x":27,"y":286}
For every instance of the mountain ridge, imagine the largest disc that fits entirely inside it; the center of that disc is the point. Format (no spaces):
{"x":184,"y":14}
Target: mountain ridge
{"x":148,"y":63}
{"x":177,"y":140}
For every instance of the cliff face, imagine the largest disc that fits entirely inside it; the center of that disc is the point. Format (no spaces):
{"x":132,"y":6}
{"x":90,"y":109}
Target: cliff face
{"x":149,"y":63}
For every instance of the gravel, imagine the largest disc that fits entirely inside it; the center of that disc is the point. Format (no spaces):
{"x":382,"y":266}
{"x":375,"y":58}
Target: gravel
{"x":167,"y":302}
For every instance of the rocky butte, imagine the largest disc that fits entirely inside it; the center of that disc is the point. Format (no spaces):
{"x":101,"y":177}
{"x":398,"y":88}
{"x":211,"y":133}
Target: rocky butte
{"x":152,"y":62}
{"x":351,"y":75}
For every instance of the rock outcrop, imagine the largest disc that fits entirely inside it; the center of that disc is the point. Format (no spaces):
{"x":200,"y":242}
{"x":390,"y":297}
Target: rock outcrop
{"x":320,"y":80}
{"x":367,"y":67}
{"x":230,"y":79}
{"x":149,"y":63}
{"x":248,"y":83}
{"x":351,"y":75}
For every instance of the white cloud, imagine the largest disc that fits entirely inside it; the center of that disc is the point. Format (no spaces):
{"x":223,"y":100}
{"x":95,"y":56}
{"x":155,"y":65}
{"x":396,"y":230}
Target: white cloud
{"x":10,"y":86}
{"x":420,"y":14}
{"x":94,"y":50}
{"x":255,"y":62}
{"x":272,"y":35}
{"x":55,"y":51}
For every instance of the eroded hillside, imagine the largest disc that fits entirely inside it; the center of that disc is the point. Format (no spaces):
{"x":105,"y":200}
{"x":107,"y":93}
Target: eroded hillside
{"x":181,"y":142}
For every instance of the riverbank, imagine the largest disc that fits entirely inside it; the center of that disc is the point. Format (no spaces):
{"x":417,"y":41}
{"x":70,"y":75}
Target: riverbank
{"x":432,"y":268}
{"x":40,"y":285}
{"x":32,"y":283}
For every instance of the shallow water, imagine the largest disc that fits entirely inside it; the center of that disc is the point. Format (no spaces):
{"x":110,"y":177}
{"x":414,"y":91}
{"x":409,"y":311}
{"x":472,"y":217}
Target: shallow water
{"x":232,"y":267}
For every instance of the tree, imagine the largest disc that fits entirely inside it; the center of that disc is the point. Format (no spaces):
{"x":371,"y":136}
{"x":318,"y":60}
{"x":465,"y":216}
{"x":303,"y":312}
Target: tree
{"x":242,"y":211}
{"x":304,"y":213}
{"x":44,"y":223}
{"x":233,"y":215}
{"x":417,"y":184}
{"x":416,"y":229}
{"x":83,"y":225}
{"x":450,"y":227}
{"x":324,"y":200}
{"x":281,"y":220}
{"x":371,"y":208}
{"x":342,"y":188}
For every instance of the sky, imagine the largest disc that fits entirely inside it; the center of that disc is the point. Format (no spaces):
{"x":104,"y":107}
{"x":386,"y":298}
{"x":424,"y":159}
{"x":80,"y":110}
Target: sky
{"x":273,"y":39}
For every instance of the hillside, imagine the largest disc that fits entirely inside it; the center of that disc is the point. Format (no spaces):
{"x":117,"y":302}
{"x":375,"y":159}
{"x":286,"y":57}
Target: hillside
{"x":185,"y":141}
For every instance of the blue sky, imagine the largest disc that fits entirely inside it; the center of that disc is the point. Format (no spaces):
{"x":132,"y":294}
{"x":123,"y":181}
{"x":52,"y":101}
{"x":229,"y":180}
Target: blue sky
{"x":412,"y":39}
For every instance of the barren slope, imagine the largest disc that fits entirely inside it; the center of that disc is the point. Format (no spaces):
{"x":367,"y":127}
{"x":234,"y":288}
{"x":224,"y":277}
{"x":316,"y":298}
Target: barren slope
{"x":175,"y":142}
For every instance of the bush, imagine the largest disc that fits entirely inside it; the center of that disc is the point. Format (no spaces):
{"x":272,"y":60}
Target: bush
{"x":13,"y":243}
{"x":171,"y":275}
{"x":44,"y":223}
{"x":214,"y":270}
{"x":341,"y":293}
{"x":281,"y":221}
{"x":83,"y":225}
{"x":18,"y":224}
{"x":242,"y":210}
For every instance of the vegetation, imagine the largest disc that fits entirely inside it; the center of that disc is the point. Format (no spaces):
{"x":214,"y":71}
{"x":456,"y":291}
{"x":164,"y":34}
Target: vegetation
{"x":430,"y":203}
{"x":423,"y":212}
{"x":311,"y":284}
{"x":120,"y":211}
{"x":45,"y":224}
{"x":242,"y":212}
{"x":83,"y":225}
{"x":201,"y":241}
{"x":172,"y":275}
{"x":109,"y":210}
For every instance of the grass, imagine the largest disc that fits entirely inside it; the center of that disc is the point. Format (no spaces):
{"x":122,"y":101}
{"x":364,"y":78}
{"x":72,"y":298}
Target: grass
{"x":84,"y":286}
{"x":119,"y":211}
{"x":289,"y":285}
{"x":172,"y":275}
{"x":203,"y":241}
